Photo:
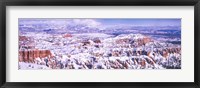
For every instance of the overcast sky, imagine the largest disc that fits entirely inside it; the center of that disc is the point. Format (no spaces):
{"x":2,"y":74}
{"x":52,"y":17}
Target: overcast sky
{"x":109,"y":21}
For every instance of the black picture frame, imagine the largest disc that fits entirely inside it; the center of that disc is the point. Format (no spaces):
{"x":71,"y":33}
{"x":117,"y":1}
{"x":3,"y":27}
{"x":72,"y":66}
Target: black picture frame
{"x":4,"y":3}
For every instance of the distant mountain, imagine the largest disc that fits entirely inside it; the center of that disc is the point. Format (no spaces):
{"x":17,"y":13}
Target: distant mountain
{"x":86,"y":28}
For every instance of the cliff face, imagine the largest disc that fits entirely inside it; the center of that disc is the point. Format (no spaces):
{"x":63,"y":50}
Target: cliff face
{"x":137,"y":42}
{"x":31,"y":55}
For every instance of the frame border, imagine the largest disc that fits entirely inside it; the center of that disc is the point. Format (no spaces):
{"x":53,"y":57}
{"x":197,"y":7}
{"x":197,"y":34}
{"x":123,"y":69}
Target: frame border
{"x":4,"y":3}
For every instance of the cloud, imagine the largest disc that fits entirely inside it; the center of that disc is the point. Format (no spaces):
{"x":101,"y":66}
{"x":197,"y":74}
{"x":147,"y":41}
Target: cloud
{"x":85,"y":22}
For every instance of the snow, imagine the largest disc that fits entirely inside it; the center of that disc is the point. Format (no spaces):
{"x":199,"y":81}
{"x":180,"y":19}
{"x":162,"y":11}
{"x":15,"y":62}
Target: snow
{"x":72,"y":52}
{"x":24,"y":66}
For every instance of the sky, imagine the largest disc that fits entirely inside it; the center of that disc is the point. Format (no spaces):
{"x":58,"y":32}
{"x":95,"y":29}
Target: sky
{"x":152,"y":22}
{"x":109,"y":21}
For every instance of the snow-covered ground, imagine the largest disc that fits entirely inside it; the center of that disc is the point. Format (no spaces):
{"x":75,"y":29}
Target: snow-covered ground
{"x":125,"y":51}
{"x":23,"y":65}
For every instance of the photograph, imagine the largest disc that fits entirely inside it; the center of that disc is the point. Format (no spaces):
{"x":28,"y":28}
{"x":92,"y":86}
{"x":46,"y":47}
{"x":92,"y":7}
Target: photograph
{"x":99,"y":43}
